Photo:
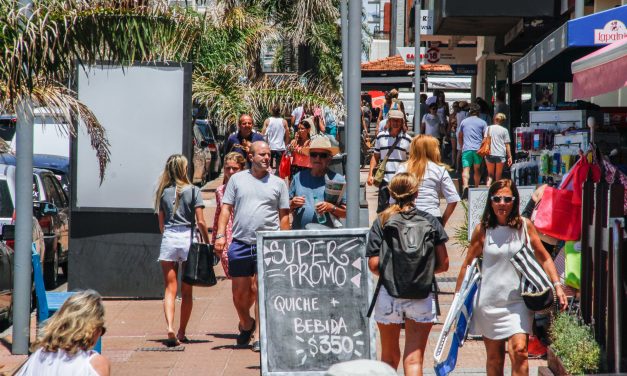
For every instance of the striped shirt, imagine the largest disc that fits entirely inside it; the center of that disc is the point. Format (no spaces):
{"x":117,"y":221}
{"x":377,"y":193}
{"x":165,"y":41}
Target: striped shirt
{"x":397,"y":156}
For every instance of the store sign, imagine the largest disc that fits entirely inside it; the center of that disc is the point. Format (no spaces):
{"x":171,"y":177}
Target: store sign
{"x":426,"y":22}
{"x":613,"y":31}
{"x":439,"y":55}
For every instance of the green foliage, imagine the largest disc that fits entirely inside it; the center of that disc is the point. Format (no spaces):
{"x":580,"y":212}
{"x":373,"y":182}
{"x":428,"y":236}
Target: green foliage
{"x":461,"y":232}
{"x":574,"y":343}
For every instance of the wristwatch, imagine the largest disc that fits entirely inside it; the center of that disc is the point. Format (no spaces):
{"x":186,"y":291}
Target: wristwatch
{"x":333,"y":210}
{"x":220,"y":236}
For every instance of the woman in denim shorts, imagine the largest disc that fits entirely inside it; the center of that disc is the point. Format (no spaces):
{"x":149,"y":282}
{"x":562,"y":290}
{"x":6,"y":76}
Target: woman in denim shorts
{"x":500,"y":151}
{"x":390,"y":312}
{"x":177,"y":202}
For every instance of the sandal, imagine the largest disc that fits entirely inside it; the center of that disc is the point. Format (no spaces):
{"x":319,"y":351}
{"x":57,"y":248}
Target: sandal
{"x":172,"y":341}
{"x":183,"y":339}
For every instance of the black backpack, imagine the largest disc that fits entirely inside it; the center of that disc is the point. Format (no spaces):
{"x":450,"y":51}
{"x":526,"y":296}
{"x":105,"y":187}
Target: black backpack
{"x":407,"y":257}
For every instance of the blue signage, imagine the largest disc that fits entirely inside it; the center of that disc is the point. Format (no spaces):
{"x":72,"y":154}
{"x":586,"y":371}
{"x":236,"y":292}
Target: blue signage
{"x":599,"y":28}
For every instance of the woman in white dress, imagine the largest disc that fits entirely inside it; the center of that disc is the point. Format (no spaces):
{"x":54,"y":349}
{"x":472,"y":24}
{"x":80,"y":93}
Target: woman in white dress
{"x":500,"y":314}
{"x":64,"y":347}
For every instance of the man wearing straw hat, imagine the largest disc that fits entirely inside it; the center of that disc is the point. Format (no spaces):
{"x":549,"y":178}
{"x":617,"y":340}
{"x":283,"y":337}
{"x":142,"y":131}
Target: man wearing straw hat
{"x":307,"y":189}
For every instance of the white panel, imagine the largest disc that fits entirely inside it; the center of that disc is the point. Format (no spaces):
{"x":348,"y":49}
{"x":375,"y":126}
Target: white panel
{"x":141,"y":109}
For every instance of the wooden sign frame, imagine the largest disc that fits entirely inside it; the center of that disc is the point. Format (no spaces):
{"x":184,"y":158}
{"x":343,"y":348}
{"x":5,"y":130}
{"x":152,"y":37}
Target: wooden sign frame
{"x":368,"y":333}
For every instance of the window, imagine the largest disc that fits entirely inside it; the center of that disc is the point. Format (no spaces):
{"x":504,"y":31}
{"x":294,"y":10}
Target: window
{"x":6,"y":204}
{"x":52,"y":195}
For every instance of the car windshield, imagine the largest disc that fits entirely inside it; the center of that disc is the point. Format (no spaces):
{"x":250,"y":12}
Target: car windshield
{"x":6,"y":205}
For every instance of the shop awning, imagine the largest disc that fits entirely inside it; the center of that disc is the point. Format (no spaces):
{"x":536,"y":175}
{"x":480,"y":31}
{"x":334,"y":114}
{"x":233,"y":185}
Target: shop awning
{"x":550,"y":60}
{"x":601,"y":72}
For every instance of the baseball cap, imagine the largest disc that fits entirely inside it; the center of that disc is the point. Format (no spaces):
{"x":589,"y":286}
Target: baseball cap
{"x":396,"y":114}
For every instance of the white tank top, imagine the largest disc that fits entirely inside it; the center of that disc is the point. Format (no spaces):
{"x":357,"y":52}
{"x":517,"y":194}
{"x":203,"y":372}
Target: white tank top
{"x":275,"y":133}
{"x":43,"y":363}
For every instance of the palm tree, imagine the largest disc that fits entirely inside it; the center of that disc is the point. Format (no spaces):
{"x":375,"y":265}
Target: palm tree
{"x":43,"y":45}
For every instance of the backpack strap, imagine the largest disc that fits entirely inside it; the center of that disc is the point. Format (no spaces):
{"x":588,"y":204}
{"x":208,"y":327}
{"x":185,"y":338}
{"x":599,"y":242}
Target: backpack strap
{"x":386,"y":258}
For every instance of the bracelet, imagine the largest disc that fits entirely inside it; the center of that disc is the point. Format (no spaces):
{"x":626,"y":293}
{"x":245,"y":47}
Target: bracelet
{"x":333,"y":210}
{"x":219,"y":236}
{"x":557,"y":283}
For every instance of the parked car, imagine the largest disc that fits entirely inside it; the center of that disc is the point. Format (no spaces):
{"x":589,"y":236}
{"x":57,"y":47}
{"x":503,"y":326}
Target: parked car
{"x":60,"y":166}
{"x":51,"y":207}
{"x":7,"y":244}
{"x":206,"y":136}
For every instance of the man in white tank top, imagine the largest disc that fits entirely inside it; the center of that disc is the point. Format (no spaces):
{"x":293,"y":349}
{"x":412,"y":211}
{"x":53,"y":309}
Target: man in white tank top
{"x":277,"y":134}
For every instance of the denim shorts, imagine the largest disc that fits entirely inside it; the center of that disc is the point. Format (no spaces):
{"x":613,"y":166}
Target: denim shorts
{"x":175,"y":243}
{"x":242,"y":259}
{"x":495,"y":159}
{"x":391,"y":310}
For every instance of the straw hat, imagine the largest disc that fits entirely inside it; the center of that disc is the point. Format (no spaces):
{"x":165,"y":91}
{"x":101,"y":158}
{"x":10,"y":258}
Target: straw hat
{"x":321,"y":142}
{"x":396,"y":114}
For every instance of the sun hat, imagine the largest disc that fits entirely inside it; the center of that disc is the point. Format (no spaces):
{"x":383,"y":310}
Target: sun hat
{"x":396,"y":114}
{"x":361,"y":367}
{"x":321,"y":142}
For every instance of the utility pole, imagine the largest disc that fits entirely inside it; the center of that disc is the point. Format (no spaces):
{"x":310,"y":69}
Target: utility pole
{"x":353,"y":124}
{"x":417,"y":114}
{"x":23,"y":219}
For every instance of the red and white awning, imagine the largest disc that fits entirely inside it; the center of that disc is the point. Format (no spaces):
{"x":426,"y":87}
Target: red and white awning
{"x":601,"y":72}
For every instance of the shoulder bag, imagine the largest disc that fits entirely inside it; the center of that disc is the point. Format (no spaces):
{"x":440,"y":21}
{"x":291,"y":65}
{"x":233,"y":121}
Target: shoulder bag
{"x":484,"y":150}
{"x":380,"y":169}
{"x":198,"y":269}
{"x":536,"y":288}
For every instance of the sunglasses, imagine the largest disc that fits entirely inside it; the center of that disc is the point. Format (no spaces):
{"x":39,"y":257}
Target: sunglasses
{"x":505,"y":199}
{"x":314,"y":154}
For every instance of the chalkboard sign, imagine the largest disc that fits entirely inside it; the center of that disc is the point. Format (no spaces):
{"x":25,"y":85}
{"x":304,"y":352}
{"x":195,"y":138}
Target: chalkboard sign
{"x":314,"y":290}
{"x":477,"y":198}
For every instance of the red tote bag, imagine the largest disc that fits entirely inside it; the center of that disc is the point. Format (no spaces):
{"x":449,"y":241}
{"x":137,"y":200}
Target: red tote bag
{"x":285,"y":166}
{"x":559,"y":211}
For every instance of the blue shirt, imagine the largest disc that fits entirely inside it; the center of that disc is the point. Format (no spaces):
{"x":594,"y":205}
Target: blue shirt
{"x":234,"y":140}
{"x":473,"y":129}
{"x":307,"y":185}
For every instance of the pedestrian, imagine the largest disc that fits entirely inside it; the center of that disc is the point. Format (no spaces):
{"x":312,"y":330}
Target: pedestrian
{"x":434,"y":181}
{"x":484,"y":109}
{"x":405,"y":295}
{"x":470,"y":137}
{"x":241,"y":140}
{"x":307,"y":189}
{"x":177,"y":203}
{"x":500,"y":106}
{"x":277,"y":134}
{"x":431,"y":123}
{"x":64,"y":345}
{"x":259,"y":201}
{"x":330,"y":123}
{"x":452,"y":133}
{"x":391,"y":103}
{"x":301,"y":140}
{"x":298,"y":114}
{"x":461,"y":115}
{"x":366,"y":115}
{"x":500,"y":314}
{"x":233,"y":163}
{"x":500,"y":151}
{"x":394,"y":142}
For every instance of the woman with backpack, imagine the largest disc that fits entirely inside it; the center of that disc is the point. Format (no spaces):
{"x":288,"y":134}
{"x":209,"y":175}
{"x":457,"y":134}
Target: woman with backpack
{"x":500,"y":314}
{"x":405,"y":249}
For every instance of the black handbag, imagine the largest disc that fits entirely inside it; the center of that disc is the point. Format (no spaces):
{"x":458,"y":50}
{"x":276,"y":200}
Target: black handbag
{"x":536,"y":289}
{"x":198,"y":269}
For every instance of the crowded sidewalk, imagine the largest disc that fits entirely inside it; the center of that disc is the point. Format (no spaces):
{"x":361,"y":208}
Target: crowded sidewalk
{"x":134,"y":341}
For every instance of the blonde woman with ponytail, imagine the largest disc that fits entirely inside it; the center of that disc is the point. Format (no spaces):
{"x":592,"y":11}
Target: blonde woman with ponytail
{"x":385,"y":252}
{"x":177,"y":202}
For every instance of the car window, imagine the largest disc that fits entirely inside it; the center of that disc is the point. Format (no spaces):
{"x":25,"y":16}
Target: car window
{"x":59,"y":188}
{"x":36,"y":192}
{"x":52,"y":195}
{"x":6,"y":205}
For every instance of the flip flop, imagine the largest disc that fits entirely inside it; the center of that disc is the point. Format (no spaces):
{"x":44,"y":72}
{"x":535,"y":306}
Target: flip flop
{"x":184,"y":339}
{"x":172,"y":341}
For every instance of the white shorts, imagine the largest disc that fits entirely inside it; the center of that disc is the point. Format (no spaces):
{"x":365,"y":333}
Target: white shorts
{"x":175,"y":243}
{"x":391,"y":310}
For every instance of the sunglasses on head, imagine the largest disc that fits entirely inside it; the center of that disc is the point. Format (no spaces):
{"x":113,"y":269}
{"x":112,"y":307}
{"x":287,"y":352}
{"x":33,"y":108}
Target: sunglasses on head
{"x":315,"y":154}
{"x":505,"y":199}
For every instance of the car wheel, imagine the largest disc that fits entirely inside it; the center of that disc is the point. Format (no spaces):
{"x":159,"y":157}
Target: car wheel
{"x":51,"y":272}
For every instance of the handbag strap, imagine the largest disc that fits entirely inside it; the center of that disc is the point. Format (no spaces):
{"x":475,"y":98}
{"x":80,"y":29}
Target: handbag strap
{"x":386,"y":258}
{"x":385,"y":160}
{"x":193,"y":207}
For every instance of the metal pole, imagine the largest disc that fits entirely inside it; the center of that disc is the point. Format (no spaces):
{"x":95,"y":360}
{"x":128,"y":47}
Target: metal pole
{"x":23,"y":220}
{"x":23,"y":228}
{"x":344,"y":27}
{"x":617,"y":283}
{"x":579,"y":4}
{"x":393,"y":23}
{"x":417,"y":114}
{"x":353,"y":125}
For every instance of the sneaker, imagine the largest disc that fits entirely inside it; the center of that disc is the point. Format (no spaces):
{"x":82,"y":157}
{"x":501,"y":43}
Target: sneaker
{"x":244,"y":336}
{"x":256,"y":346}
{"x":465,"y":194}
